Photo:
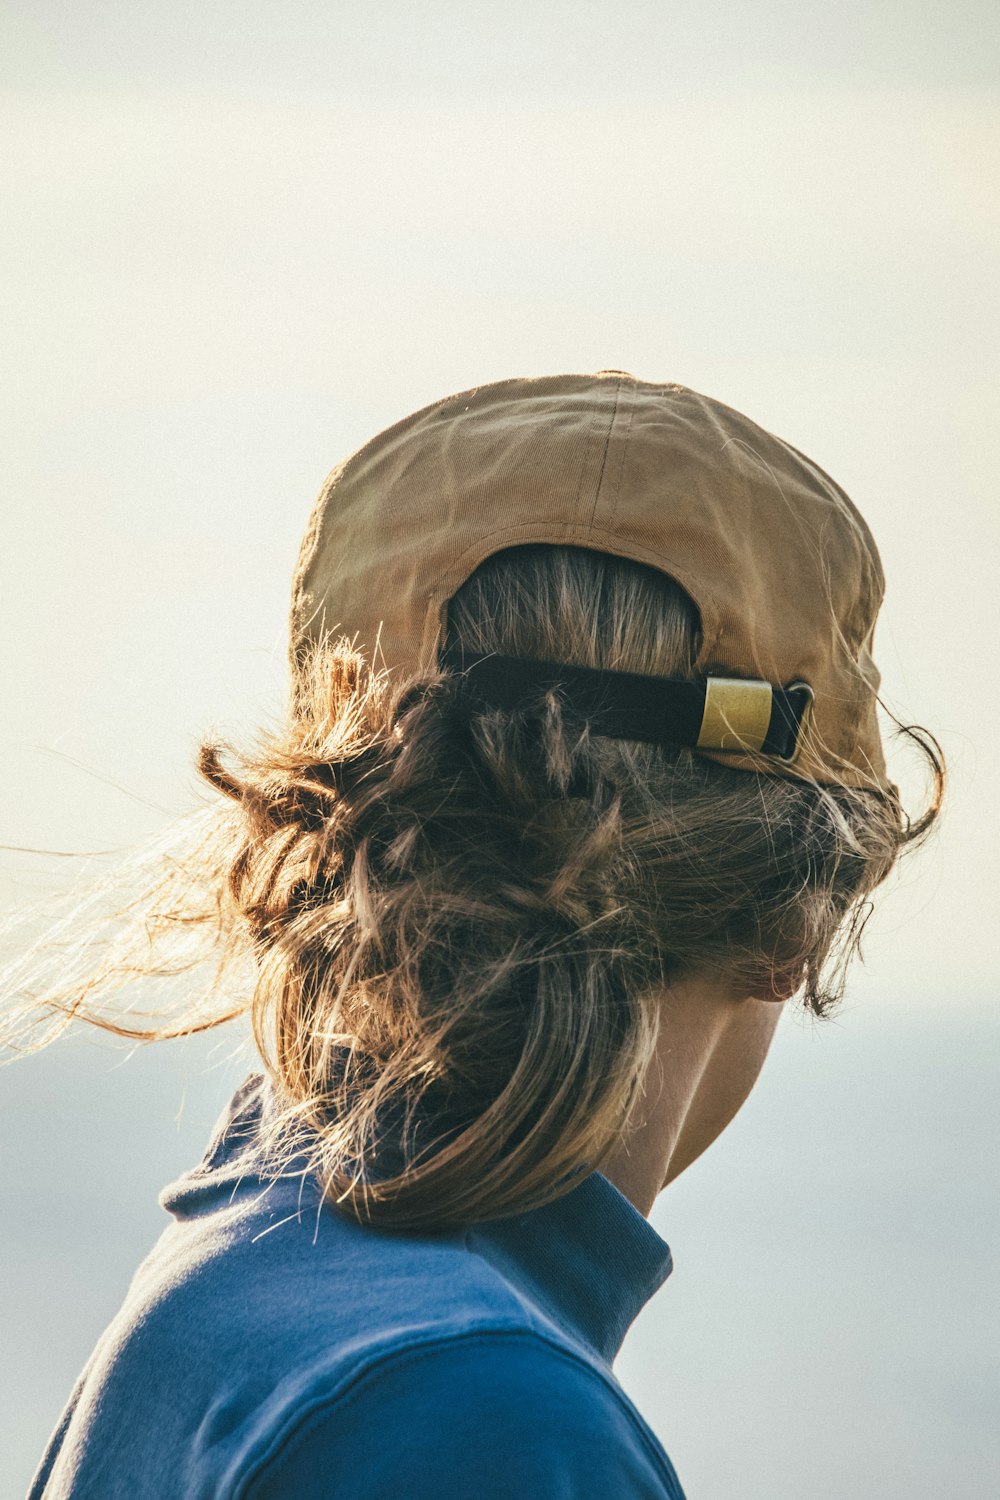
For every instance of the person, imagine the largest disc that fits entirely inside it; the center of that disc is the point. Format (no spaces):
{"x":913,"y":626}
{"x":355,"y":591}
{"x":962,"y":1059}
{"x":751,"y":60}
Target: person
{"x":581,"y":781}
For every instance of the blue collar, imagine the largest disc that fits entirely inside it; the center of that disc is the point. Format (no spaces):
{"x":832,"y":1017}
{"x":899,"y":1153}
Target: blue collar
{"x":590,"y":1257}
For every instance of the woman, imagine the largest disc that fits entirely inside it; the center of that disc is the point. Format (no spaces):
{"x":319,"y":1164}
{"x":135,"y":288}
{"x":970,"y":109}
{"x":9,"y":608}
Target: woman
{"x":581,"y":780}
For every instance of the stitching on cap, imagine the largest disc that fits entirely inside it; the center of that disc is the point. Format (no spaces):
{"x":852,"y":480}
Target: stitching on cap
{"x":604,"y":455}
{"x":616,"y":492}
{"x":594,"y":418}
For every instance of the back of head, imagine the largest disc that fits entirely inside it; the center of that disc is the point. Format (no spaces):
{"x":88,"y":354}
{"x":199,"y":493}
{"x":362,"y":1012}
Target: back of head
{"x":466,"y":916}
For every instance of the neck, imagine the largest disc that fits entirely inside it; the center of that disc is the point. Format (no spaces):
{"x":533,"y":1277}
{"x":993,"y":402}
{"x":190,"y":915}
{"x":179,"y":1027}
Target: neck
{"x":711,"y":1046}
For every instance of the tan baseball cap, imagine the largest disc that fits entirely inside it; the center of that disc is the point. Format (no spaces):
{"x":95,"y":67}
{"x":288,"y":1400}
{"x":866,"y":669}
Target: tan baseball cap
{"x":780,"y":565}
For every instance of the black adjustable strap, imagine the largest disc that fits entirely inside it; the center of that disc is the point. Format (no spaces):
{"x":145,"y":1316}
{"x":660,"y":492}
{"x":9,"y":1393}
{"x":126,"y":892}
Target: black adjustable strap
{"x":630,"y":706}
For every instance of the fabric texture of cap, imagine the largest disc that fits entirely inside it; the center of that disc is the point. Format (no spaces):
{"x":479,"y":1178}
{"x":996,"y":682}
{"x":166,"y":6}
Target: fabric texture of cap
{"x":779,"y":563}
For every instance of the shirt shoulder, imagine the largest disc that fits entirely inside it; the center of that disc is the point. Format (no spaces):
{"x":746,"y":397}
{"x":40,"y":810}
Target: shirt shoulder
{"x":504,"y":1414}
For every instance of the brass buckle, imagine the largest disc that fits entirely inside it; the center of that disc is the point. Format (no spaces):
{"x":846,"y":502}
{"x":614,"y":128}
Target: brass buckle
{"x":737,"y":714}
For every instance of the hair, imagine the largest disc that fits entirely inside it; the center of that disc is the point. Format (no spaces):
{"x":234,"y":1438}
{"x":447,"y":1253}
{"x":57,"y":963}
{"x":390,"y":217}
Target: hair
{"x":463,"y":920}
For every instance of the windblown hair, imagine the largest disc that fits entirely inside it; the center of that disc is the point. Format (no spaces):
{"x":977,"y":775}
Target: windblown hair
{"x":463,"y":920}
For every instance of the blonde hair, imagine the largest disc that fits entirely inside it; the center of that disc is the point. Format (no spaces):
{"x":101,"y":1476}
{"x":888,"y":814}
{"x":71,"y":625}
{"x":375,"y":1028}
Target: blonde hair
{"x":463,"y":919}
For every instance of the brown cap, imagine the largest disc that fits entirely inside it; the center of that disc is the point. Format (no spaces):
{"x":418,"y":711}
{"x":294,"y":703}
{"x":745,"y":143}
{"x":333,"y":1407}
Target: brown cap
{"x":780,"y":565}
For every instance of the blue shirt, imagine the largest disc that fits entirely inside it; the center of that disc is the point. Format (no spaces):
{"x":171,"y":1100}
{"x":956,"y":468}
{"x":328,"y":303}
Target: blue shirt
{"x":269,"y":1346}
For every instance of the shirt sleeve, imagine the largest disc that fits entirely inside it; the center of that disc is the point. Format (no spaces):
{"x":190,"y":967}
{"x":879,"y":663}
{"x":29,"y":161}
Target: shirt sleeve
{"x":501,"y":1417}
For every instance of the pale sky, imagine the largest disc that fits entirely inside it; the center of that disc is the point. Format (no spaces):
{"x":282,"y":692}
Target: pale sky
{"x":237,"y":240}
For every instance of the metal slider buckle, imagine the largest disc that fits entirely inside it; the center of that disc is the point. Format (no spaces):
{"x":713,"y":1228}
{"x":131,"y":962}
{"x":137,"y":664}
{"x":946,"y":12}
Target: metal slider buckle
{"x":737,"y":715}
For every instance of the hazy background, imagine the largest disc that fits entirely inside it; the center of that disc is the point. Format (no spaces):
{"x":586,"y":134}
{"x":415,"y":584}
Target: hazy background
{"x":238,"y":239}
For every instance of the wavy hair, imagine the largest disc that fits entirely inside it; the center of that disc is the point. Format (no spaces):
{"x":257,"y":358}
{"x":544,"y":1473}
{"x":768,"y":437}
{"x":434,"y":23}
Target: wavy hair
{"x":462,"y":920}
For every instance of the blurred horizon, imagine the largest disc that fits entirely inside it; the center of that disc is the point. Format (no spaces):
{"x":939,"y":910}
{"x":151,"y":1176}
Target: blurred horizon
{"x":240,"y":240}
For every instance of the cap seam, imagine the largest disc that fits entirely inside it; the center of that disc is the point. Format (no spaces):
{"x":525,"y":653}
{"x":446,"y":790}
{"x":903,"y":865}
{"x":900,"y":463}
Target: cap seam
{"x":604,"y":456}
{"x":616,"y":491}
{"x":592,"y":431}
